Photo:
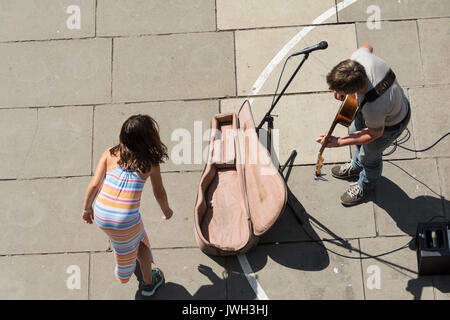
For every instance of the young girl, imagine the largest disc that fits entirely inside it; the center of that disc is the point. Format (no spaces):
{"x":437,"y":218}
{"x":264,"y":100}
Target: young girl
{"x":121,"y":174}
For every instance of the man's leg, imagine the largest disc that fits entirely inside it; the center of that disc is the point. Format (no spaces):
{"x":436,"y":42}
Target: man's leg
{"x":372,"y":164}
{"x":369,"y":158}
{"x":350,"y":171}
{"x":357,"y":124}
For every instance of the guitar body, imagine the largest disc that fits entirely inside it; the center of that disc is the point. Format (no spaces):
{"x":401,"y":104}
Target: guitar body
{"x":345,"y":116}
{"x":347,"y":111}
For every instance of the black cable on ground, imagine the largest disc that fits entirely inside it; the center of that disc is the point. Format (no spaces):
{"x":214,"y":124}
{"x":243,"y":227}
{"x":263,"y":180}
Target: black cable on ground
{"x":399,"y":142}
{"x":426,"y":149}
{"x":368,"y":256}
{"x":357,"y":258}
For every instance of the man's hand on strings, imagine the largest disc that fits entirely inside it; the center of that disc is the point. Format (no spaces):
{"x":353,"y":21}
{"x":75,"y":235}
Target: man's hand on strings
{"x":332,"y":141}
{"x":338,"y":96}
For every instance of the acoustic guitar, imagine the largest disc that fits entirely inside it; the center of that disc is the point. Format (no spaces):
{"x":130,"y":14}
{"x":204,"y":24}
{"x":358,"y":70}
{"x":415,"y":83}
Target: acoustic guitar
{"x":345,"y":116}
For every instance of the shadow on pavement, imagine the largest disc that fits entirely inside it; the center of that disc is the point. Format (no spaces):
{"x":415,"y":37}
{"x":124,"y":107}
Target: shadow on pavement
{"x":174,"y":291}
{"x":441,"y":283}
{"x":308,"y":254}
{"x":405,"y":211}
{"x":300,"y":253}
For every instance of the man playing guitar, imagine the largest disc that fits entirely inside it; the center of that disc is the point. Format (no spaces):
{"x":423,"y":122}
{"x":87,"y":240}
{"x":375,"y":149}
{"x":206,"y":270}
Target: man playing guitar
{"x":383,"y":114}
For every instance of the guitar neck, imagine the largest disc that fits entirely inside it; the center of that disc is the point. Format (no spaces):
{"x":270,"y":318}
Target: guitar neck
{"x":345,"y":116}
{"x":327,"y":137}
{"x":325,"y":141}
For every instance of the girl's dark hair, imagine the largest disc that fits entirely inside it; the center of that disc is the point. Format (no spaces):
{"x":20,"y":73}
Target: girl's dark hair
{"x":348,"y":76}
{"x":140,"y":146}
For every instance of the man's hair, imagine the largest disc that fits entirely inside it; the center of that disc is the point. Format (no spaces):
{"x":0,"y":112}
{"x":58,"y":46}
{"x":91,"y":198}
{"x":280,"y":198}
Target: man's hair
{"x":348,"y":76}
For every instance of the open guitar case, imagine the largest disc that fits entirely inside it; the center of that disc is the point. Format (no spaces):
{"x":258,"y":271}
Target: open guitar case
{"x":241,"y":193}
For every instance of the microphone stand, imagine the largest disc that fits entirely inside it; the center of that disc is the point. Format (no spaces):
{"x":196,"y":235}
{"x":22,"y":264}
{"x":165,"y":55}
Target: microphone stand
{"x":269,"y":119}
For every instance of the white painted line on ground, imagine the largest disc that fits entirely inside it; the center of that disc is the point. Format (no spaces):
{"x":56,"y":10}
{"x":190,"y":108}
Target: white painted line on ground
{"x":245,"y":265}
{"x":292,"y":43}
{"x":250,"y":275}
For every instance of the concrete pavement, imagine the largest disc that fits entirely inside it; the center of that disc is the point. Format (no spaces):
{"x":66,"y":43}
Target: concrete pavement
{"x":71,"y":71}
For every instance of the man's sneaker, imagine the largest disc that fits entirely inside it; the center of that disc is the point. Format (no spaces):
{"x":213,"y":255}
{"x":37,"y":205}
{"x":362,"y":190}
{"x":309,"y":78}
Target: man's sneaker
{"x":354,"y":195}
{"x":148,"y":289}
{"x":345,"y":171}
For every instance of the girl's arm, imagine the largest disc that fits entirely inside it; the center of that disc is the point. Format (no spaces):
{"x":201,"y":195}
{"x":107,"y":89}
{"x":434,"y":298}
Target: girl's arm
{"x":159,"y":192}
{"x":94,"y":186}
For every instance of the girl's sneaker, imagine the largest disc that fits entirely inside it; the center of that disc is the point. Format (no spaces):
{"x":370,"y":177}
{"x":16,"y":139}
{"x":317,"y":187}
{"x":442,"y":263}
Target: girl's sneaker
{"x":148,"y":289}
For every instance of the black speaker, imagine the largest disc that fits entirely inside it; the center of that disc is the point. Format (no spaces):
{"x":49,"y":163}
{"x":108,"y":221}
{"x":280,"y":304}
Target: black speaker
{"x":433,"y":248}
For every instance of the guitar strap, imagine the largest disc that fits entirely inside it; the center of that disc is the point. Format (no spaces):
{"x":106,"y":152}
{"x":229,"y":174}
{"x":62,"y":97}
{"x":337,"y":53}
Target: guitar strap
{"x":379,"y":89}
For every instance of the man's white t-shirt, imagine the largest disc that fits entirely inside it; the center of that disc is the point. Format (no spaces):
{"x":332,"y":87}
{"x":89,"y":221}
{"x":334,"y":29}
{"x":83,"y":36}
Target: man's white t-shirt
{"x":392,"y":106}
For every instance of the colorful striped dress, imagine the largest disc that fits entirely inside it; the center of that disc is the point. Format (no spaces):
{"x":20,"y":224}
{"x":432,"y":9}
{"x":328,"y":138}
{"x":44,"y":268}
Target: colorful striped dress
{"x":116,"y":212}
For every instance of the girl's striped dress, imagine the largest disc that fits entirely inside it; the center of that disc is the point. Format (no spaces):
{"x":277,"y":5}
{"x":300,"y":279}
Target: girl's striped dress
{"x":116,"y":212}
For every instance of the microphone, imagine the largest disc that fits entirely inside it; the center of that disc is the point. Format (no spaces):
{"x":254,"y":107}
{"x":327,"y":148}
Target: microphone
{"x":320,"y":46}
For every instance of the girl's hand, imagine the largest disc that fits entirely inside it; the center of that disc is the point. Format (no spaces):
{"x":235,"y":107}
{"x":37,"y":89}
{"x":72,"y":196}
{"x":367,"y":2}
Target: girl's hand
{"x":94,"y":186}
{"x":88,"y":216}
{"x":168,"y":214}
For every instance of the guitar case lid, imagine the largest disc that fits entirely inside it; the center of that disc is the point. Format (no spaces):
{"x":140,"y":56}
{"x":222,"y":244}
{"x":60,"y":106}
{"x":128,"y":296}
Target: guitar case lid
{"x":265,"y":187}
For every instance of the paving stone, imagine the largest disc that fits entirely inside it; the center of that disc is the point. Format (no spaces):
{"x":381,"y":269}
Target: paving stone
{"x":154,"y":17}
{"x":324,"y":211}
{"x":183,"y":278}
{"x":398,"y":279}
{"x":434,"y":43}
{"x":444,"y":178}
{"x":431,"y":120}
{"x":299,"y":271}
{"x":397,"y":43}
{"x":44,"y":216}
{"x":240,"y":14}
{"x":181,"y":191}
{"x":54,"y":73}
{"x":44,"y":277}
{"x":179,"y":122}
{"x":408,"y":193}
{"x":46,"y":19}
{"x":441,"y":285}
{"x":184,"y":66}
{"x":16,"y":139}
{"x":364,"y":10}
{"x":47,"y":142}
{"x":297,"y":126}
{"x":256,"y":48}
{"x":103,"y":284}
